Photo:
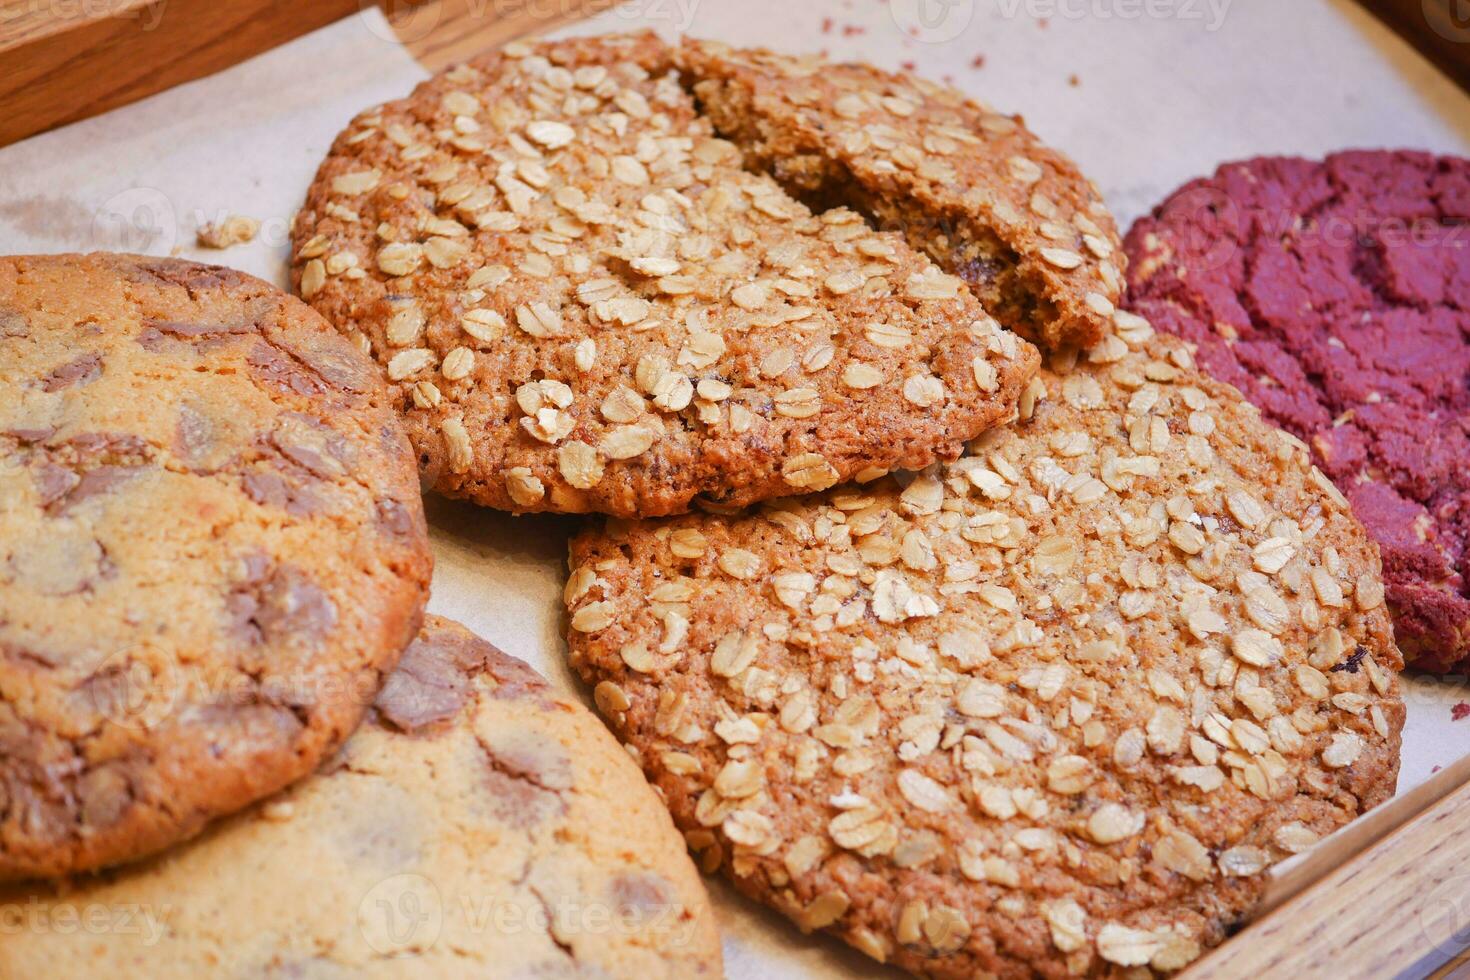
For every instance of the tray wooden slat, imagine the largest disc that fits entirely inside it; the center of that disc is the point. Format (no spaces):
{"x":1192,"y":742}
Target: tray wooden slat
{"x":444,"y":32}
{"x":64,"y":62}
{"x":1439,"y":29}
{"x":1400,"y":907}
{"x":60,"y":68}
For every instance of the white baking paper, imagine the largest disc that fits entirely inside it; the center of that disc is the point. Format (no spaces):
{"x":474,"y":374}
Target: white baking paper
{"x":1144,"y":94}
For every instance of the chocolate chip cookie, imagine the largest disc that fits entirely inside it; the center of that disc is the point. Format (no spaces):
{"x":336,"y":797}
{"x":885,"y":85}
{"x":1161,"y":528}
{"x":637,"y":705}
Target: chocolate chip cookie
{"x":477,"y":824}
{"x":1052,"y":709}
{"x":212,"y":547}
{"x":1336,"y":296}
{"x":584,"y":302}
{"x":971,"y":187}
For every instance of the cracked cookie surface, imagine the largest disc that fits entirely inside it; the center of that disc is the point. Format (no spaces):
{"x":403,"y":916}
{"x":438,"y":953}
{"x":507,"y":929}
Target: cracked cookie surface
{"x":584,"y":302}
{"x":1053,"y":709}
{"x":1336,"y":296}
{"x":971,"y":187}
{"x":476,"y":824}
{"x":212,"y":546}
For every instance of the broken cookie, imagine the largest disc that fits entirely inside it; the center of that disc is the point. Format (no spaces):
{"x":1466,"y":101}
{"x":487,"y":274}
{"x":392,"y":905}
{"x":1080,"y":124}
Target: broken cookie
{"x":969,"y":186}
{"x":584,"y":302}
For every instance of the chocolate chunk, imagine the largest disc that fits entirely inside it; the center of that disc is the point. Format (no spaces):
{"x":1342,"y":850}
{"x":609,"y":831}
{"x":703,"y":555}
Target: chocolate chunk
{"x":639,"y":892}
{"x":193,"y":276}
{"x":115,"y":444}
{"x":432,"y":680}
{"x":283,"y":607}
{"x":29,"y":653}
{"x":32,"y":434}
{"x":330,"y":357}
{"x":273,"y":490}
{"x":94,"y":483}
{"x":395,"y":519}
{"x":266,"y":489}
{"x":254,"y":567}
{"x":83,"y":369}
{"x":516,"y":681}
{"x":53,"y":482}
{"x":411,"y":702}
{"x":519,"y":801}
{"x":151,"y":339}
{"x":279,"y":371}
{"x":310,"y":444}
{"x":194,"y":330}
{"x":294,"y":607}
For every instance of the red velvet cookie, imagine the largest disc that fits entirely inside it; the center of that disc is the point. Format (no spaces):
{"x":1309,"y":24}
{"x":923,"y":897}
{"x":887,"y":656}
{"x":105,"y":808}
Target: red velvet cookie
{"x":1336,"y":297}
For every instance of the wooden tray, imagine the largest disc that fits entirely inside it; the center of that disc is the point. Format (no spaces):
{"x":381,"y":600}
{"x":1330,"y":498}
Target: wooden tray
{"x":69,"y":60}
{"x":1388,"y":896}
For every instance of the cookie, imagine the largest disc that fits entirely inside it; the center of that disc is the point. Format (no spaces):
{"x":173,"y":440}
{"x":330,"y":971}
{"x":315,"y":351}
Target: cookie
{"x":477,"y":824}
{"x":584,"y":303}
{"x":1052,"y":709}
{"x":1336,"y":296}
{"x":212,"y":547}
{"x":969,"y":186}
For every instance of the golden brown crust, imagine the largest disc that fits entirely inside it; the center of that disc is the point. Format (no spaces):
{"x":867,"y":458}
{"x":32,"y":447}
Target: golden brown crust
{"x":1052,"y":709}
{"x":584,"y":303}
{"x":212,"y":548}
{"x":968,"y":185}
{"x":479,"y":824}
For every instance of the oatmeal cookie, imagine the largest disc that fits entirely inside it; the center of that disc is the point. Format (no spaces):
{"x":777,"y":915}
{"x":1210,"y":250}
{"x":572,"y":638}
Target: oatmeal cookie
{"x":477,"y":824}
{"x":1336,"y":296}
{"x":971,"y":187}
{"x":1053,"y":709}
{"x":584,"y":303}
{"x":212,"y":547}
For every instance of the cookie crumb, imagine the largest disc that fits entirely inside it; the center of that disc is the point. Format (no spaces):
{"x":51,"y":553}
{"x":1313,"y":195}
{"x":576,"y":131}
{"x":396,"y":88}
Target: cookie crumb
{"x":236,"y":229}
{"x":278,"y":811}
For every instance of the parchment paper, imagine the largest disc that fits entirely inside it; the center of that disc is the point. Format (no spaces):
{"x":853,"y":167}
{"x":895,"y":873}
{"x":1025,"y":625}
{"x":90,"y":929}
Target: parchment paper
{"x":1144,"y":94}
